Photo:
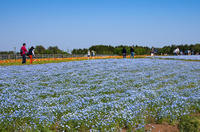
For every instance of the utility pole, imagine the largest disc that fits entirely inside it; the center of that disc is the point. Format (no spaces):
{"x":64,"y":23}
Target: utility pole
{"x":15,"y":53}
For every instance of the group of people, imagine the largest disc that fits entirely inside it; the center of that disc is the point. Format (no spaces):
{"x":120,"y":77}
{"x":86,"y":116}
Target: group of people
{"x":131,"y":51}
{"x":177,"y":51}
{"x":24,"y":52}
{"x":92,"y":53}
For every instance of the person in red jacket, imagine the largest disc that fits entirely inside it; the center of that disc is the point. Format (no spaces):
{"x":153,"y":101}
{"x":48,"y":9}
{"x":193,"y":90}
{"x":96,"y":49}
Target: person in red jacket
{"x":23,"y":53}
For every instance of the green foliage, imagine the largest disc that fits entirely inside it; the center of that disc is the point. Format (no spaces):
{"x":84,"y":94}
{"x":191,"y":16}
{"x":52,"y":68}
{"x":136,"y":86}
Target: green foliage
{"x":117,"y":50}
{"x":169,"y":49}
{"x":50,"y":50}
{"x":6,"y":52}
{"x":102,"y":49}
{"x":110,"y":50}
{"x":189,"y":124}
{"x":79,"y":51}
{"x":54,"y":50}
{"x":40,"y":49}
{"x":139,"y":50}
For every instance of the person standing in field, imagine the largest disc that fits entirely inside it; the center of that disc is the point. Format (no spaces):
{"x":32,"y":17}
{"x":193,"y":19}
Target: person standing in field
{"x":31,"y":54}
{"x":93,"y":53}
{"x":176,"y":51}
{"x":23,"y":52}
{"x":152,"y":51}
{"x":132,"y":52}
{"x":124,"y":52}
{"x":88,"y":54}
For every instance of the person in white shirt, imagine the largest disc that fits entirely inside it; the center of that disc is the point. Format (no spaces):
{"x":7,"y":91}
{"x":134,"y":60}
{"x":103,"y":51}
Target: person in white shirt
{"x":176,"y":51}
{"x":88,"y":54}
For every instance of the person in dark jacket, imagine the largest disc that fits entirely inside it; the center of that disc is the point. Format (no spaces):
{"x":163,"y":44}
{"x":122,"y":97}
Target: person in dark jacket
{"x":31,"y":54}
{"x":23,"y":51}
{"x":132,"y":52}
{"x":124,"y":52}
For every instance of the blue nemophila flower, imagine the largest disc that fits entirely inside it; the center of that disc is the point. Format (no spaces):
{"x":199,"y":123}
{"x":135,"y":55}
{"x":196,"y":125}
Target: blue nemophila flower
{"x":183,"y":57}
{"x":99,"y":93}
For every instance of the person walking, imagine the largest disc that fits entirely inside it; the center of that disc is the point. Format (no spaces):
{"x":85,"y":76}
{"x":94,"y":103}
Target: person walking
{"x":132,"y":52}
{"x":31,"y":54}
{"x":23,"y":52}
{"x":124,"y":52}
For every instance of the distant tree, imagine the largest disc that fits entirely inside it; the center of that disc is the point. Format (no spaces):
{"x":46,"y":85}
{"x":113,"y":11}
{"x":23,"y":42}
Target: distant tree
{"x":166,"y":50}
{"x":117,"y":50}
{"x":53,"y":50}
{"x":139,"y":50}
{"x":196,"y":48}
{"x":7,"y":52}
{"x":103,"y":49}
{"x":79,"y":51}
{"x":40,"y":49}
{"x":50,"y":50}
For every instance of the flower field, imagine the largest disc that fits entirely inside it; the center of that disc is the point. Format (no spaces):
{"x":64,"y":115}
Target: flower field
{"x":54,"y":60}
{"x":106,"y":94}
{"x":182,"y":57}
{"x":57,"y":60}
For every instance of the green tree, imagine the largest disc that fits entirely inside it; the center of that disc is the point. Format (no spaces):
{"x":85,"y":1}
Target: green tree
{"x":40,"y":49}
{"x":53,"y":50}
{"x":102,"y":49}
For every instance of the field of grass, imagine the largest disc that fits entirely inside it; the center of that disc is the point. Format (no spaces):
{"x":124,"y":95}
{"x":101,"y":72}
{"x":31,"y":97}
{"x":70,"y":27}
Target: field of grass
{"x":100,"y":94}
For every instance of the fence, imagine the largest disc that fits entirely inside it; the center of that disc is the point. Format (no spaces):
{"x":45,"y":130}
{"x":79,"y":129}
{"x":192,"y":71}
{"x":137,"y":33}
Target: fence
{"x":39,"y":56}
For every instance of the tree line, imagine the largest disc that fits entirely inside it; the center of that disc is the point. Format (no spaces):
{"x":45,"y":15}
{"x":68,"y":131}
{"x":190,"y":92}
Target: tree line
{"x":115,"y":50}
{"x":139,"y":50}
{"x":39,"y":49}
{"x":50,"y":50}
{"x":169,"y":49}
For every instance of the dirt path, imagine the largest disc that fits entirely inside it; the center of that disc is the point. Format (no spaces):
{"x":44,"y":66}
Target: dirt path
{"x":158,"y":128}
{"x":161,"y":128}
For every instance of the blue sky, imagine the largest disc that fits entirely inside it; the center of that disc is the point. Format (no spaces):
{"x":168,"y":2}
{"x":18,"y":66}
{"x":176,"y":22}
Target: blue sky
{"x":72,"y":24}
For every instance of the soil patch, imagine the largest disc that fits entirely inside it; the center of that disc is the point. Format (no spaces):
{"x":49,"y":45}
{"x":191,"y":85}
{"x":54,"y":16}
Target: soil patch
{"x":161,"y":128}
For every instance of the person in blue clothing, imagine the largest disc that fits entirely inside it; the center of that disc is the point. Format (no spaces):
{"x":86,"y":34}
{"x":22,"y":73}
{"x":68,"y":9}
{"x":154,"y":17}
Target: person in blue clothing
{"x":132,"y":52}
